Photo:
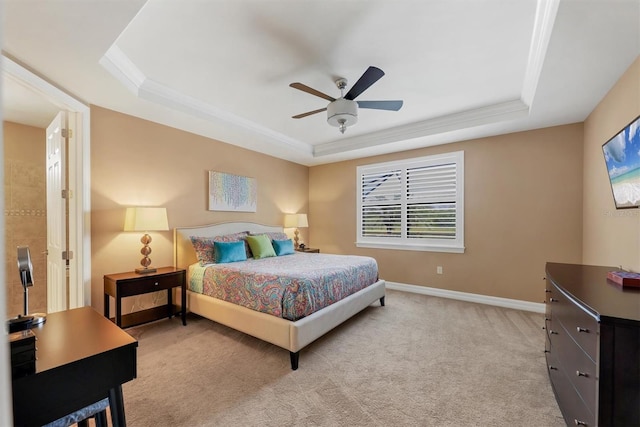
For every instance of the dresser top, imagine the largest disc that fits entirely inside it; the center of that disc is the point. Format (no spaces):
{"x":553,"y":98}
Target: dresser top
{"x":589,"y":286}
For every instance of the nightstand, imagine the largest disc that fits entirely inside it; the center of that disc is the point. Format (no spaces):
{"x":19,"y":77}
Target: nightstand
{"x":128,"y":284}
{"x":309,"y":250}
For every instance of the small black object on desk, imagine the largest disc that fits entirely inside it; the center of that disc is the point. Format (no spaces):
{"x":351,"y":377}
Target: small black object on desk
{"x":23,"y":353}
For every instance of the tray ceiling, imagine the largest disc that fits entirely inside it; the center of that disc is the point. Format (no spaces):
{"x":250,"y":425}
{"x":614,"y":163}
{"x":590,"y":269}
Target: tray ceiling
{"x":465,"y":68}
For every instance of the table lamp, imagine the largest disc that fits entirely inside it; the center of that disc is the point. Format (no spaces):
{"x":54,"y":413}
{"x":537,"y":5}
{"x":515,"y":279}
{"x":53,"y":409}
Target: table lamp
{"x":146,"y":219}
{"x":296,"y":221}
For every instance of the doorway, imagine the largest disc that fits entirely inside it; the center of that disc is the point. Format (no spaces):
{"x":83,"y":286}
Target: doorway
{"x":78,"y":188}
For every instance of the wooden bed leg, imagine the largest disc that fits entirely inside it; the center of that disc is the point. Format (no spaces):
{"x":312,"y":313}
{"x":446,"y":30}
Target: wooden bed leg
{"x":294,"y":359}
{"x":382,"y":301}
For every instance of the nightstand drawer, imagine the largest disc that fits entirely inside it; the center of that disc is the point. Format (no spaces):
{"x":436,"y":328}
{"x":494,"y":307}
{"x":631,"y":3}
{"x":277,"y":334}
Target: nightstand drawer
{"x":150,"y":284}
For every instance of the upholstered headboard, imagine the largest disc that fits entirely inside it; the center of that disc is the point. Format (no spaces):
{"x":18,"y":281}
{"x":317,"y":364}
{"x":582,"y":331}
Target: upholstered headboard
{"x":185,"y":255}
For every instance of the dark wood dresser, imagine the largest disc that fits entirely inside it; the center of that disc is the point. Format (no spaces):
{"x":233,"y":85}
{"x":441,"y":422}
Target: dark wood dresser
{"x":593,"y":345}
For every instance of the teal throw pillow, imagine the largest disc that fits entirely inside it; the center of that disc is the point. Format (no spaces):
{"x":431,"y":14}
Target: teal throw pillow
{"x":229,"y":252}
{"x":283,"y":247}
{"x":260,"y":246}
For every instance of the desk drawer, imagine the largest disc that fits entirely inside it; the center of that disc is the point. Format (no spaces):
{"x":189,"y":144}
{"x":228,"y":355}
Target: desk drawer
{"x":149,"y":284}
{"x":582,"y":327}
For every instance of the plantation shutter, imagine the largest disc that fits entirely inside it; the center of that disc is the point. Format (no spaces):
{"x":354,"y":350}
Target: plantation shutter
{"x":381,"y":208}
{"x":412,"y":204}
{"x":431,"y":202}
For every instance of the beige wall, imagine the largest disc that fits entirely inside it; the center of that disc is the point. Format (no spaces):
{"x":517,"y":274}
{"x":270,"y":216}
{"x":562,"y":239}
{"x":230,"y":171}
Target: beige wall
{"x":139,"y":163}
{"x":25,"y":213}
{"x":25,"y":193}
{"x":523,"y":207}
{"x":610,"y":236}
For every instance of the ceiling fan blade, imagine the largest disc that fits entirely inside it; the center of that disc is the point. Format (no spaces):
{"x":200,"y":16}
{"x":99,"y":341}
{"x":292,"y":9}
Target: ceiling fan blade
{"x":312,"y":91}
{"x":372,"y":75}
{"x":299,"y":116}
{"x":381,"y":105}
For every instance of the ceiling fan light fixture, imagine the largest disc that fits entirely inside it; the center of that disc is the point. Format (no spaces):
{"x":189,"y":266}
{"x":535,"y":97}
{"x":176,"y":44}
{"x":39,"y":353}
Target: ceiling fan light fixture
{"x":342,"y":113}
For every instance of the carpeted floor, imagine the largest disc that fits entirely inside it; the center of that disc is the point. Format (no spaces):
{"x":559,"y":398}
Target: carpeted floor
{"x":418,"y":361}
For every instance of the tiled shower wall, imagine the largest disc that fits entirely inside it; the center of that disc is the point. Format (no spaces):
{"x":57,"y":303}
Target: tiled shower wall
{"x":25,"y":213}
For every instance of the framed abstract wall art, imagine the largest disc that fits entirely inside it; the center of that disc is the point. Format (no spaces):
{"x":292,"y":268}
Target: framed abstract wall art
{"x":234,"y":193}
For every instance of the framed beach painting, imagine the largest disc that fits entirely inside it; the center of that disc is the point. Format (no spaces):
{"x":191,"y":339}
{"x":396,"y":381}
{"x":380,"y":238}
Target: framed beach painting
{"x":622,"y":158}
{"x":234,"y":193}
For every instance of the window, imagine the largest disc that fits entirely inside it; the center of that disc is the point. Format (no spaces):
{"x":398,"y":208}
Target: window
{"x":413,"y":204}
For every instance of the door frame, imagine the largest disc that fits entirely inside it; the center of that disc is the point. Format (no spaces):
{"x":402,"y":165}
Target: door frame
{"x":79,"y":171}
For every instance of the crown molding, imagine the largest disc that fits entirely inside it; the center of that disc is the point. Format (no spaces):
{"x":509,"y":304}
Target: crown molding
{"x":122,"y":68}
{"x":546,"y":12}
{"x":492,"y":113}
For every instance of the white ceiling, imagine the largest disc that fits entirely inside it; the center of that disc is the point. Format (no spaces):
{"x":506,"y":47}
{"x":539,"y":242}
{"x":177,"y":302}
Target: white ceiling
{"x":222,"y":68}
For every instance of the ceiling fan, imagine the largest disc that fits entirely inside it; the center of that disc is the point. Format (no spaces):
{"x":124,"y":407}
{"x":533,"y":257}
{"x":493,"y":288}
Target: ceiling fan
{"x":343,"y":111}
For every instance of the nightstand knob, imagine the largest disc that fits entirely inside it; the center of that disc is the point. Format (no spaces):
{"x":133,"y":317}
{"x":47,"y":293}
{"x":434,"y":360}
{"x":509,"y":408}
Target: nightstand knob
{"x":156,"y":283}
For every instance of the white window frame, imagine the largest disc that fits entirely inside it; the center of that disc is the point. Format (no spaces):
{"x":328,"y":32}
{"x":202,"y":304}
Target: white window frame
{"x":453,"y":245}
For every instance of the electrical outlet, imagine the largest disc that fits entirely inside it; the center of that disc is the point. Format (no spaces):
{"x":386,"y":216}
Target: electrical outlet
{"x":439,"y":269}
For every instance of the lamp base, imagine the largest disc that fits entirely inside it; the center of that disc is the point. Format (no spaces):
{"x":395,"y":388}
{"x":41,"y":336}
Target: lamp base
{"x":146,"y":270}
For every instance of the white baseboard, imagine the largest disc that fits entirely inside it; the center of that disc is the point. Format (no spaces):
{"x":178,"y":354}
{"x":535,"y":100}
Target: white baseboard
{"x":464,"y":296}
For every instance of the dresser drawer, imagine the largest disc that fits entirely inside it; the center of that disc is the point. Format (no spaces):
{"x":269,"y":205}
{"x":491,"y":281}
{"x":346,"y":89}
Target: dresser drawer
{"x":577,"y":365}
{"x":582,"y":327}
{"x":573,"y":409}
{"x":149,"y":284}
{"x":548,"y":294}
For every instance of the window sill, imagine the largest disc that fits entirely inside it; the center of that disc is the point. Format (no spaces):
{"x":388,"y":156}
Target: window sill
{"x":423,"y":248}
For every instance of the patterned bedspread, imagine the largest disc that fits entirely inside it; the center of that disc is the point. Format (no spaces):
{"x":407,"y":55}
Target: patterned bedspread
{"x":291,"y":286}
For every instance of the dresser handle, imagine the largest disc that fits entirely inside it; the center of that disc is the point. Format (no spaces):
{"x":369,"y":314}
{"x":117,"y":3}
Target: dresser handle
{"x":580,"y":423}
{"x":548,"y":291}
{"x":582,"y":374}
{"x":579,"y":329}
{"x":552,"y":332}
{"x":553,"y":300}
{"x":552,"y":368}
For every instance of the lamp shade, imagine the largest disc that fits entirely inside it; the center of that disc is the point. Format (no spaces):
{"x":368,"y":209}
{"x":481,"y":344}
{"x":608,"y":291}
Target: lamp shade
{"x":146,"y":219}
{"x":296,"y":221}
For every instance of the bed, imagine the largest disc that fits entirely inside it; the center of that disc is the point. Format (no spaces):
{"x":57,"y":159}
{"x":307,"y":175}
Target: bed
{"x":290,"y":334}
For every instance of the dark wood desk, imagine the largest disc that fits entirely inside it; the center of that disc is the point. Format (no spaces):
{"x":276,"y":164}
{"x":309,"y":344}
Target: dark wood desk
{"x":82,"y":357}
